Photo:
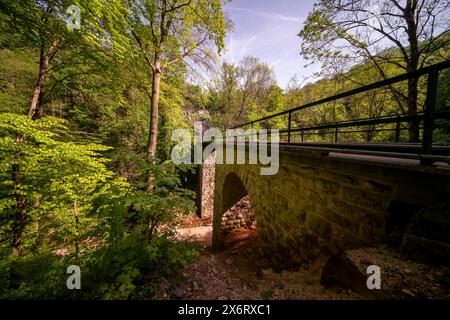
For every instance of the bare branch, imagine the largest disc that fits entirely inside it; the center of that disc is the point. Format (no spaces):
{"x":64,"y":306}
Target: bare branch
{"x":175,"y":8}
{"x":143,"y":49}
{"x":187,"y":52}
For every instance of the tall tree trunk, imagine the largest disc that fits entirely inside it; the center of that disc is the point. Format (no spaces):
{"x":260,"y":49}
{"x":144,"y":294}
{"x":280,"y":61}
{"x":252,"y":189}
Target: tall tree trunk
{"x":44,"y":61}
{"x":153,"y":132}
{"x":413,"y":129}
{"x":241,"y":109}
{"x":21,"y":213}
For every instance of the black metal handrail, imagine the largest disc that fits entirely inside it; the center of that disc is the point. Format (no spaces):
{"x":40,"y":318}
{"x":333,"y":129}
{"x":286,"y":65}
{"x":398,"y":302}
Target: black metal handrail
{"x":427,"y":116}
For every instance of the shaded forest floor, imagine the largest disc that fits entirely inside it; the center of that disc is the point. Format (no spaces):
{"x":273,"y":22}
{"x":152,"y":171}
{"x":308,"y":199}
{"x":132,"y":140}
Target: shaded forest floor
{"x":241,"y":272}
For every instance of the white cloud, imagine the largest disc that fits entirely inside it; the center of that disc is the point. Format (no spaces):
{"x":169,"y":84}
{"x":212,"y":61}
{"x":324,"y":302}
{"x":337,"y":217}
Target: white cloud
{"x":272,"y":37}
{"x":269,"y":15}
{"x":247,"y":43}
{"x":238,"y":47}
{"x":277,"y":61}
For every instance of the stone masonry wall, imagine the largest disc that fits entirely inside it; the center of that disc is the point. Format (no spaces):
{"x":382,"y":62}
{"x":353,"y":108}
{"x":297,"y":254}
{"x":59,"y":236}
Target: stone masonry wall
{"x":207,"y":187}
{"x":303,"y":211}
{"x":318,"y":205}
{"x":241,"y":215}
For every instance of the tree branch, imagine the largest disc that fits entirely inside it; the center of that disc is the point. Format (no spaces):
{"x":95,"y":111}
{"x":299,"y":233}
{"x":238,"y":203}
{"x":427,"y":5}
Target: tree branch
{"x":144,"y":51}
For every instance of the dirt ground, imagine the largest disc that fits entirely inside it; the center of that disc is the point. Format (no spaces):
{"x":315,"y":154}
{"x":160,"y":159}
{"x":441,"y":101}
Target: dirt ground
{"x":241,"y":272}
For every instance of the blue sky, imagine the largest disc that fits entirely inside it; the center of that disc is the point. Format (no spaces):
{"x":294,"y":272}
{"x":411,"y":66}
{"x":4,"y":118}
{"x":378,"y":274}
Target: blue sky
{"x":268,"y":30}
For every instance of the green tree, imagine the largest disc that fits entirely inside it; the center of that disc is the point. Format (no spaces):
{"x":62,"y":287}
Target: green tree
{"x":59,"y":179}
{"x":63,"y":196}
{"x":165,"y":34}
{"x":241,"y":91}
{"x":37,"y":24}
{"x":400,"y":33}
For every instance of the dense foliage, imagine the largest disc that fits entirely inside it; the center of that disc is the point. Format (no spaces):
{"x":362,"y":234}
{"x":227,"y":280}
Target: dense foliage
{"x":74,"y":124}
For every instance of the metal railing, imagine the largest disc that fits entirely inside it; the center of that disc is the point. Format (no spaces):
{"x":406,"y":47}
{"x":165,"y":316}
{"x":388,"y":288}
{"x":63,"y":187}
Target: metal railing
{"x":428,"y":116}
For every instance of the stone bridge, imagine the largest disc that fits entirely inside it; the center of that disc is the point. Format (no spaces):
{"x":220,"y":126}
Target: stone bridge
{"x":320,"y":202}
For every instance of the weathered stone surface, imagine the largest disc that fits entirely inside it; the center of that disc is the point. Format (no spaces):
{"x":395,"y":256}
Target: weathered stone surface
{"x":207,"y":187}
{"x":241,"y":215}
{"x":341,"y":271}
{"x":288,"y":216}
{"x":315,"y":204}
{"x":320,"y":226}
{"x":376,"y":187}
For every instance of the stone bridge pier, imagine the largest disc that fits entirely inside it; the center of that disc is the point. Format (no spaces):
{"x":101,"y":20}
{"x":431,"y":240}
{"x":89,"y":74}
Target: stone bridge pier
{"x":320,"y":202}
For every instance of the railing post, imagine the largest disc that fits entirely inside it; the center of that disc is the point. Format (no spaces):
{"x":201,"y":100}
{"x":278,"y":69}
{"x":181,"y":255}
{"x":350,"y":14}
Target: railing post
{"x":289,"y":127}
{"x":336,"y":135}
{"x":397,"y":129}
{"x":302,"y":132}
{"x":430,"y":104}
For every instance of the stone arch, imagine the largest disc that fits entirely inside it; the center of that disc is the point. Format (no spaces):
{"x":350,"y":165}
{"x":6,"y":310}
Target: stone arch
{"x":228,"y":192}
